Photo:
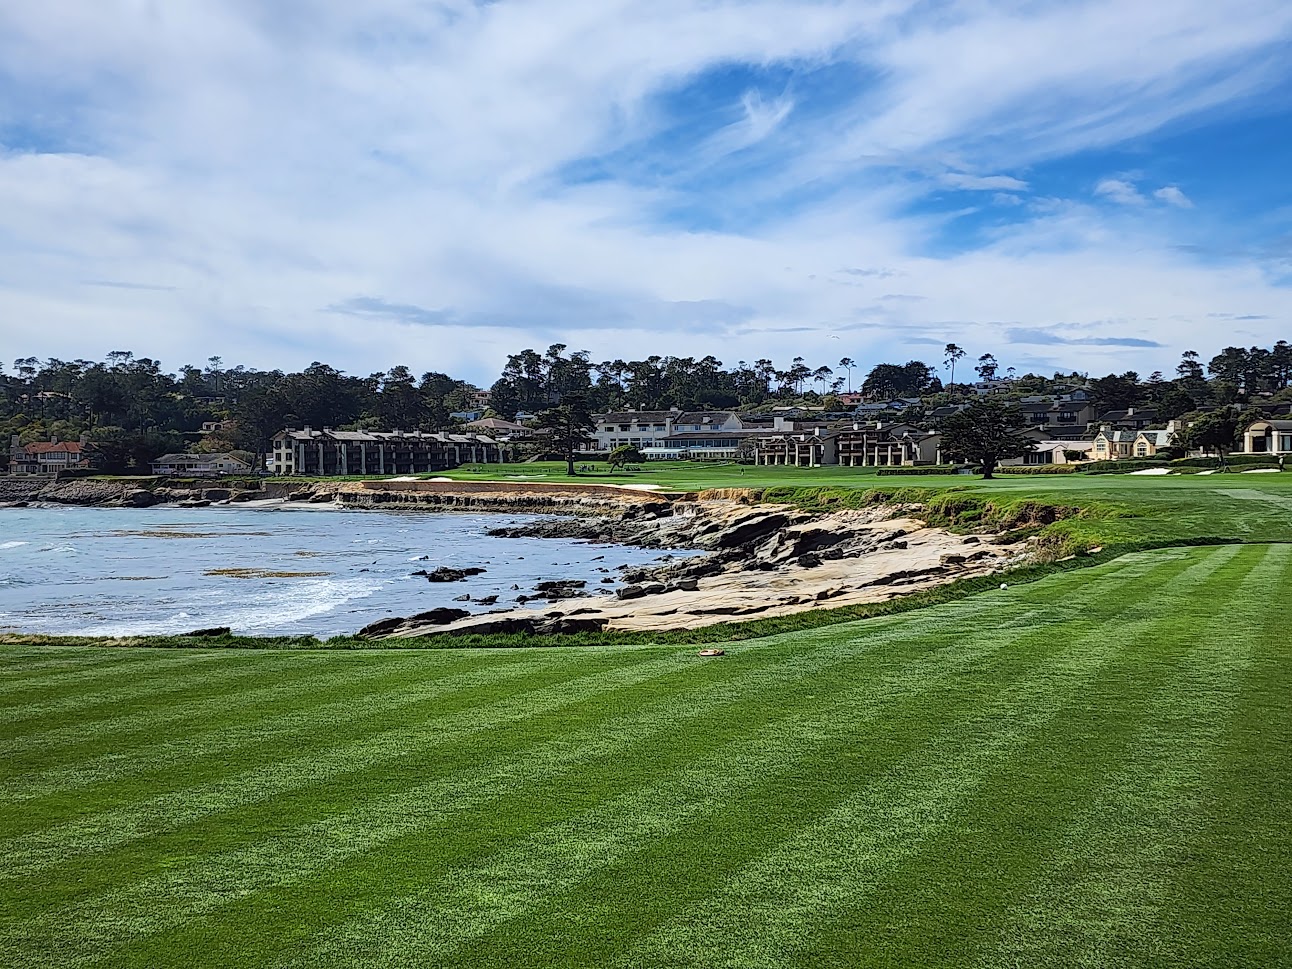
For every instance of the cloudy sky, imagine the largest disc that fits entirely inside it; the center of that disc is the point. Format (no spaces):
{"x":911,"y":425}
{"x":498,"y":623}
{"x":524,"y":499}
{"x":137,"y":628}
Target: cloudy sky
{"x":1090,"y":184}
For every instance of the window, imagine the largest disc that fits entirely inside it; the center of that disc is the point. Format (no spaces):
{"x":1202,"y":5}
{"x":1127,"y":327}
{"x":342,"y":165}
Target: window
{"x":1285,"y":442}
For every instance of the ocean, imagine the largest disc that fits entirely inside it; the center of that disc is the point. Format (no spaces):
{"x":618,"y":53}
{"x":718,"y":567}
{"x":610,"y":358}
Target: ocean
{"x":266,"y":571}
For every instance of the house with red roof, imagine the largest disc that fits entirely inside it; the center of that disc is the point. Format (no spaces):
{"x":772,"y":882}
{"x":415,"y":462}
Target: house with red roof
{"x":48,"y":457}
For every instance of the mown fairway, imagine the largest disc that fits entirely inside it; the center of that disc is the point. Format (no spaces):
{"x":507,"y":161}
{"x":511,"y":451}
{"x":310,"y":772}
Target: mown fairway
{"x":1093,"y":769}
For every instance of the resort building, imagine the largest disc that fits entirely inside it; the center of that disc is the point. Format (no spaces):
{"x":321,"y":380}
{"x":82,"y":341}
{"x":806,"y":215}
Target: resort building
{"x":1113,"y":445}
{"x":329,"y":452}
{"x":1148,"y":443}
{"x":1268,"y":437}
{"x":649,"y":428}
{"x":199,"y":464}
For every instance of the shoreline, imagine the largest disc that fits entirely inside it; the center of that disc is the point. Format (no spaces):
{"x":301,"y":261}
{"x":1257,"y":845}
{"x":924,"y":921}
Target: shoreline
{"x":757,"y":560}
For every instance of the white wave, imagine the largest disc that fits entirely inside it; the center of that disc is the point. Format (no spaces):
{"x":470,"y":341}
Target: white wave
{"x":13,"y":544}
{"x":274,"y":608}
{"x":64,"y":549}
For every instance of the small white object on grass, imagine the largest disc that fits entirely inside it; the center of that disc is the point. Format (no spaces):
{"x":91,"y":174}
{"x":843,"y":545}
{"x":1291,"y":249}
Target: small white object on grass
{"x":1004,"y":585}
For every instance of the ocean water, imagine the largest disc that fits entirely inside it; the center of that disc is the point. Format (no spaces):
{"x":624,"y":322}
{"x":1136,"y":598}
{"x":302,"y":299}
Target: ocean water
{"x":266,"y":571}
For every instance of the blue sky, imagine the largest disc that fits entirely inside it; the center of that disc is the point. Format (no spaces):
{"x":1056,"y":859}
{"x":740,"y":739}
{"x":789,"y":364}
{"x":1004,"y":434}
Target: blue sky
{"x":1089,"y":184}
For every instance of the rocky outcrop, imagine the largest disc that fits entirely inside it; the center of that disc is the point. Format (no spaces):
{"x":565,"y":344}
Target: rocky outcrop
{"x":762,"y":560}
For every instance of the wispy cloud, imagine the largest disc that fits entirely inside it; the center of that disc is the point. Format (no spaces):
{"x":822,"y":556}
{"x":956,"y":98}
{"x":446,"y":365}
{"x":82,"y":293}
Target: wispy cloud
{"x":452,"y":180}
{"x":1030,"y":335}
{"x":982,"y":183}
{"x":1171,"y":195}
{"x":1121,"y":191}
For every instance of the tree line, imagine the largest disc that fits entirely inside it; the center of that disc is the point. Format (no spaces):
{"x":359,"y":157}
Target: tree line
{"x":133,"y":410}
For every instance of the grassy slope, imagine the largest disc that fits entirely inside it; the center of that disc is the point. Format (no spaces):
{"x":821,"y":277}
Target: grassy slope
{"x":1093,"y":769}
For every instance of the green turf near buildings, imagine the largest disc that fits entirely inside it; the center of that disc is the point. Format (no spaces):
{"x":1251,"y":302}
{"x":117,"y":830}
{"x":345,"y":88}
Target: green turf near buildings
{"x":1090,"y":769}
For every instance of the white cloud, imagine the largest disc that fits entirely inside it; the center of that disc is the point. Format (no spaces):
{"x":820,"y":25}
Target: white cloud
{"x":1120,"y":190}
{"x":982,"y":183}
{"x":1171,"y":195}
{"x":223,"y":174}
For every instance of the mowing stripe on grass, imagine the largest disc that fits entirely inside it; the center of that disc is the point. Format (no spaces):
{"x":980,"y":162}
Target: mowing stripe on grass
{"x":762,"y":915}
{"x":320,"y":845}
{"x":115,"y":664}
{"x":501,"y":889}
{"x":1000,"y":849}
{"x":303,"y":720}
{"x":135,"y":692}
{"x":182,"y":893}
{"x":1111,"y":874}
{"x":166,"y":812}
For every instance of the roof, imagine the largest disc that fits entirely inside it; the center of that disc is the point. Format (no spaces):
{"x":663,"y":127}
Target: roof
{"x":628,"y":416}
{"x":1161,"y":438}
{"x":62,"y":447}
{"x":383,"y":437}
{"x":1275,"y":425}
{"x":703,"y":416}
{"x":196,"y":458}
{"x":497,"y":424}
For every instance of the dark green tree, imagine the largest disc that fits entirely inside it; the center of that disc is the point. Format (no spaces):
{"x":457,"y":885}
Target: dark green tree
{"x":986,"y":432}
{"x":569,"y":423}
{"x":625,"y":454}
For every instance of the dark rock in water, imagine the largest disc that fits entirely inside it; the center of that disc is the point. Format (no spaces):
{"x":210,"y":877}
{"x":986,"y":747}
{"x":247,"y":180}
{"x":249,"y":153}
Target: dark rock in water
{"x":608,"y":580}
{"x":631,"y":592}
{"x":463,"y":598}
{"x":487,"y":600}
{"x":211,"y":633}
{"x":438,"y":617}
{"x":382,"y":627}
{"x":140,"y":498}
{"x":560,"y":589}
{"x":446,"y":574}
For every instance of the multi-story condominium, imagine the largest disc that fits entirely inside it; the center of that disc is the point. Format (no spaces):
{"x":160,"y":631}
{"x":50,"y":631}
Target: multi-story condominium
{"x":649,"y":428}
{"x":329,"y":452}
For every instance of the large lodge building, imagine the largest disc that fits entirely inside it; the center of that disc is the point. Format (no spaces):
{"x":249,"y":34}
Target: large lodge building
{"x":329,"y":452}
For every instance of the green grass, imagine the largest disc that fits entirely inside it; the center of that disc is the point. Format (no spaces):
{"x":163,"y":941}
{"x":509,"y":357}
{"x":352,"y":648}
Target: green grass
{"x":1091,"y":769}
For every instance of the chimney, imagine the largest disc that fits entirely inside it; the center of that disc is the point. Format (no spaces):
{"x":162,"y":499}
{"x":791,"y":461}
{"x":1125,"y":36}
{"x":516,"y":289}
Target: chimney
{"x":53,"y":439}
{"x":675,"y":410}
{"x":778,"y":424}
{"x":816,"y":432}
{"x":1130,"y":411}
{"x":308,"y":429}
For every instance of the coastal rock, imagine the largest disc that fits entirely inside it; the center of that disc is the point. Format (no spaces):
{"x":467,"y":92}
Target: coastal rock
{"x":140,"y":498}
{"x":211,"y":633}
{"x":216,"y":494}
{"x":438,"y":617}
{"x":446,"y":574}
{"x":382,"y":627}
{"x":560,"y":589}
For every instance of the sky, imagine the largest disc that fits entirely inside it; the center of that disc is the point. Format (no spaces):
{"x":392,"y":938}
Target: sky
{"x":1094,"y":185}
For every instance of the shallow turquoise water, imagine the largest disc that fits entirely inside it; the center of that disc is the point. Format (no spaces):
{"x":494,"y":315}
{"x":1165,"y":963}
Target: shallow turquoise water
{"x":126,"y":571}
